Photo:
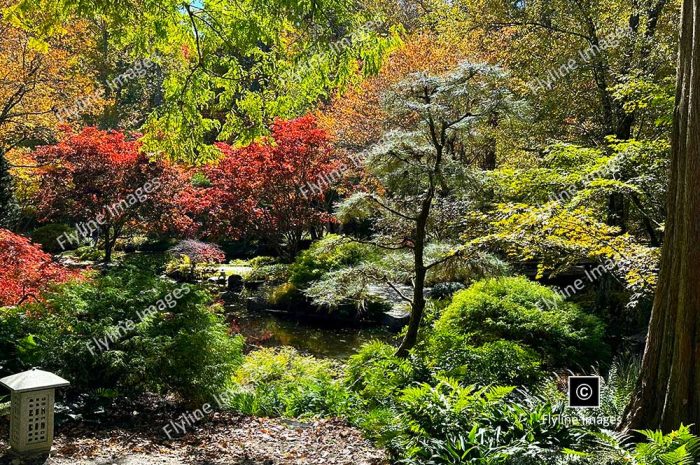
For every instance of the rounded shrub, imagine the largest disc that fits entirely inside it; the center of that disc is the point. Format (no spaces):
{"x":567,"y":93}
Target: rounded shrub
{"x":131,"y":332}
{"x":519,"y":310}
{"x":48,"y":237}
{"x":503,"y":363}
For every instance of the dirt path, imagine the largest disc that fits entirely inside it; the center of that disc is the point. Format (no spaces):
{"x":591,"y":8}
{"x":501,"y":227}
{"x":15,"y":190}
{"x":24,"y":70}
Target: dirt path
{"x":223,"y":439}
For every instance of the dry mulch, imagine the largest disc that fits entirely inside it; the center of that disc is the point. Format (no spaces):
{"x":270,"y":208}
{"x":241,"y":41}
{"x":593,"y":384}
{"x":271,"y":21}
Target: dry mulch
{"x":221,"y":438}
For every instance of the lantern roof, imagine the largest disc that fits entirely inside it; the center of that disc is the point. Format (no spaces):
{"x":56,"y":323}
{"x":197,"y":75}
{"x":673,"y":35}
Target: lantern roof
{"x":33,"y":380}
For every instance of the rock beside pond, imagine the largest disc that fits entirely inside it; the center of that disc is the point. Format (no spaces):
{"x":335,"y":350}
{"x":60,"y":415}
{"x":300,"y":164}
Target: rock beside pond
{"x":235,"y":283}
{"x":396,"y":318}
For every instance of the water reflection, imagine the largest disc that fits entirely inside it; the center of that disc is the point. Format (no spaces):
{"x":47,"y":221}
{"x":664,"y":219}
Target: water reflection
{"x":309,"y":337}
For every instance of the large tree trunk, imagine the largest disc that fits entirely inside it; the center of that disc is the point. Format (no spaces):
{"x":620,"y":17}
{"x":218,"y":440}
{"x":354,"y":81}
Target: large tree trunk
{"x":668,"y":392}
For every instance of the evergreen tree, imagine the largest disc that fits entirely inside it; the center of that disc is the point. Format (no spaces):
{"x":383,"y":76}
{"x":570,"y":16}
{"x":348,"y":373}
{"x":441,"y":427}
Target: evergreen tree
{"x":668,"y":393}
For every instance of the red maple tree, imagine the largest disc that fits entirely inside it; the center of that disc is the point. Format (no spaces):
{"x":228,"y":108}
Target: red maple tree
{"x":102,"y":182}
{"x":274,"y":189}
{"x":25,"y":269}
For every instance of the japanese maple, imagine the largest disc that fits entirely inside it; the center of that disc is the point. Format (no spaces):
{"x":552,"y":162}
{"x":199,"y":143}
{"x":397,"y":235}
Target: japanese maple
{"x":101,"y":181}
{"x":198,"y":252}
{"x":25,"y":269}
{"x":275,"y":189}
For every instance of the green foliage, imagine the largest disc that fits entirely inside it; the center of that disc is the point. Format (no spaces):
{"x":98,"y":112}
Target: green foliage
{"x":8,"y":205}
{"x":448,"y":423}
{"x":516,"y":309}
{"x":267,"y":269}
{"x":445,"y":290}
{"x":200,"y":179}
{"x":500,"y":362}
{"x":330,"y":253}
{"x":284,"y":383}
{"x":132,"y":332}
{"x":349,"y":289}
{"x":229,"y":69}
{"x":679,"y":447}
{"x":14,"y":342}
{"x":262,"y":260}
{"x":88,"y":252}
{"x":285,"y":294}
{"x":620,"y":383}
{"x":654,"y":99}
{"x":275,"y":273}
{"x":47,"y":236}
{"x":558,"y":213}
{"x":377,"y":375}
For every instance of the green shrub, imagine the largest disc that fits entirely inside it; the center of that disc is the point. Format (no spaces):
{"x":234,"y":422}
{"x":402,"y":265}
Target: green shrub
{"x":159,"y":336}
{"x":140,"y":243}
{"x":274,"y":273}
{"x":502,"y":363}
{"x":262,"y":260}
{"x":88,"y":252}
{"x":47,"y":236}
{"x":283,"y":383}
{"x":200,"y":179}
{"x":512,"y":309}
{"x":284,"y":295}
{"x":377,"y":375}
{"x":330,"y":253}
{"x":14,"y":342}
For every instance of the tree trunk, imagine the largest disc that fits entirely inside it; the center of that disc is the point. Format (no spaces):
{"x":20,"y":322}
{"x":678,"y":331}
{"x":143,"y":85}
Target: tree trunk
{"x":417,"y":307}
{"x":108,"y":246}
{"x":668,"y":391}
{"x":420,"y":271}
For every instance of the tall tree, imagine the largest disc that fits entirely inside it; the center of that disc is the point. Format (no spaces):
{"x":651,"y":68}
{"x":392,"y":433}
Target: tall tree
{"x":35,"y":83}
{"x":668,"y":392}
{"x":274,"y":189}
{"x":418,"y":171}
{"x":231,"y":68}
{"x":572,"y":57}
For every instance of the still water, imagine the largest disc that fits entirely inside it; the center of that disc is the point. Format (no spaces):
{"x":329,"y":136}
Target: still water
{"x":320,"y":339}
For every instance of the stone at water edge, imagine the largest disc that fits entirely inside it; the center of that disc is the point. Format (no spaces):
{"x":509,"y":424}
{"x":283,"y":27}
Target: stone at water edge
{"x":235,"y":283}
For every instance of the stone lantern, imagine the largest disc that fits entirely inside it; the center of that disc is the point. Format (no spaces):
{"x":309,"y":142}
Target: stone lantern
{"x":31,"y":410}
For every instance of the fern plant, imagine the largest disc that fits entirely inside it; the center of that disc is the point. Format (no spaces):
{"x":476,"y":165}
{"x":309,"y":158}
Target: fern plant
{"x":679,"y":447}
{"x":452,"y":424}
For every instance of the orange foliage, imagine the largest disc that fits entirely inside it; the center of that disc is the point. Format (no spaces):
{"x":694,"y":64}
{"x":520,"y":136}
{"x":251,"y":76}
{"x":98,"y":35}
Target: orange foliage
{"x":38,"y":81}
{"x":25,"y":269}
{"x":356,"y":120}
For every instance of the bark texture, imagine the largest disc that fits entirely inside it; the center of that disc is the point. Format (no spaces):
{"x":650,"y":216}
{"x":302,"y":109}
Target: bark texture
{"x":668,"y":393}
